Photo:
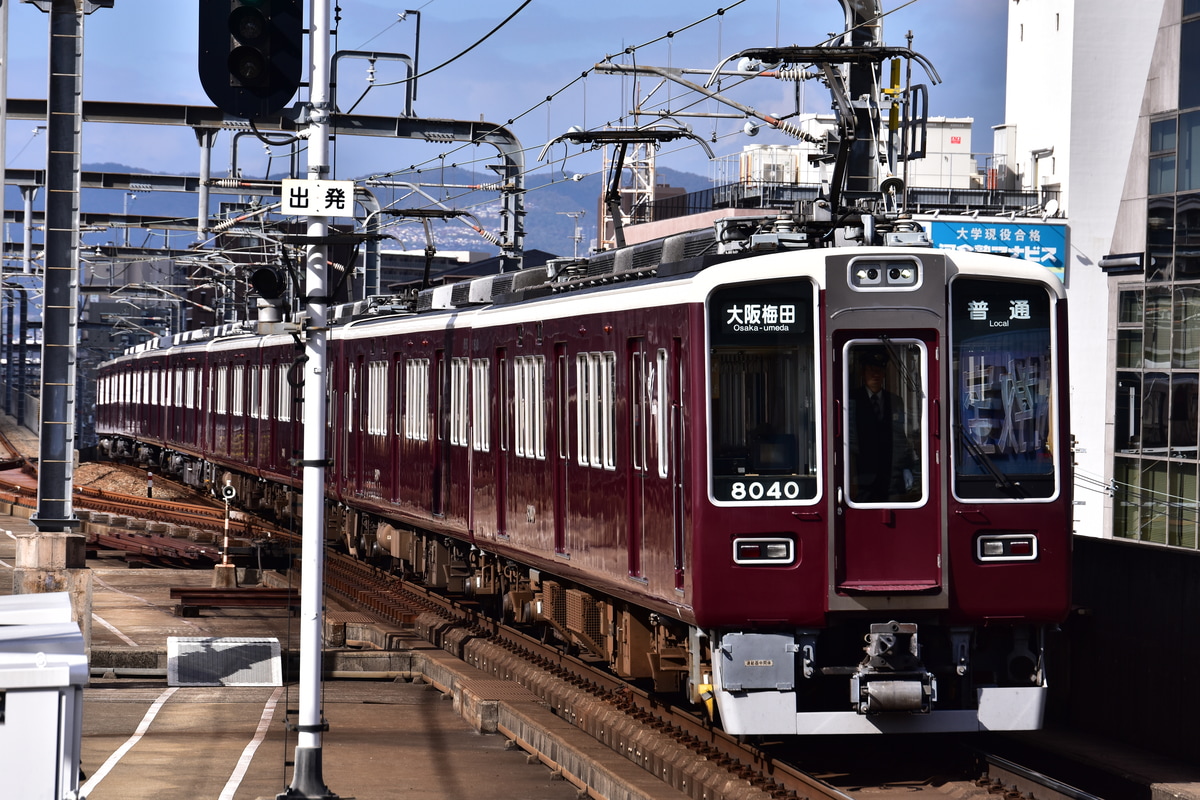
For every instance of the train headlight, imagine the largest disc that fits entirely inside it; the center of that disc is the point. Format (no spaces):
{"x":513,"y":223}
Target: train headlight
{"x":884,"y":274}
{"x":992,"y":547}
{"x":1006,"y":547}
{"x":774,"y":551}
{"x":867,"y":276}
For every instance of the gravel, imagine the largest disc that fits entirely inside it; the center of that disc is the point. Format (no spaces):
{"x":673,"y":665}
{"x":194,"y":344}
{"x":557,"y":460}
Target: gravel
{"x":109,"y":478}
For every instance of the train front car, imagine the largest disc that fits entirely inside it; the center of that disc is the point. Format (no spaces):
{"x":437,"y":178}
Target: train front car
{"x":886,"y":537}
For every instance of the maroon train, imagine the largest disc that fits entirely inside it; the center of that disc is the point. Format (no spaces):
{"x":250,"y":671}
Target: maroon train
{"x":672,"y":457}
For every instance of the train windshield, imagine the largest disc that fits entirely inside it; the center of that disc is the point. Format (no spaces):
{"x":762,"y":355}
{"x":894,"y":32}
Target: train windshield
{"x":763,"y":382}
{"x":1002,"y":374}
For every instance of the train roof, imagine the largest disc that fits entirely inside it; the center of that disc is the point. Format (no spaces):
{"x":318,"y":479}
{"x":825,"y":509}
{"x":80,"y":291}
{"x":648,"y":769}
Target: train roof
{"x":656,"y":270}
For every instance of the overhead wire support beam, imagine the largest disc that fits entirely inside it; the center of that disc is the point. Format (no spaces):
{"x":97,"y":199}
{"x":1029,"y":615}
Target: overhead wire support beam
{"x":676,"y":75}
{"x":295,"y":120}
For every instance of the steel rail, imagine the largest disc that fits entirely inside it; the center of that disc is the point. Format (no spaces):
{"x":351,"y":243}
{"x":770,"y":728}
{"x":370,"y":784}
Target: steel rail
{"x":399,"y":600}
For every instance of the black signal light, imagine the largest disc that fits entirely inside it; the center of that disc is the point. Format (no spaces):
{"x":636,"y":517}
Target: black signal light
{"x":268,"y":282}
{"x":250,"y":54}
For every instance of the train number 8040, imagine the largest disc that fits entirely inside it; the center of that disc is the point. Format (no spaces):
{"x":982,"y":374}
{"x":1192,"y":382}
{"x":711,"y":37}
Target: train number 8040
{"x":764,"y":490}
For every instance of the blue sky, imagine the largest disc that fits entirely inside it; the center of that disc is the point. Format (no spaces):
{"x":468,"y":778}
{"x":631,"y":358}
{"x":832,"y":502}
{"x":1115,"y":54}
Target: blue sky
{"x":145,"y":51}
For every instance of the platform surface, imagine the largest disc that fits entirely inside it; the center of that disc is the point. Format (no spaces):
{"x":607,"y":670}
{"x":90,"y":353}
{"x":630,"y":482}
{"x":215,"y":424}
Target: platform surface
{"x":144,"y":739}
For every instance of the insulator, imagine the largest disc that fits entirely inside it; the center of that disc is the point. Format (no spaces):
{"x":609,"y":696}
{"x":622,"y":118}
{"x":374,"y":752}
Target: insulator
{"x":227,"y":183}
{"x":795,"y":74}
{"x":793,"y":130}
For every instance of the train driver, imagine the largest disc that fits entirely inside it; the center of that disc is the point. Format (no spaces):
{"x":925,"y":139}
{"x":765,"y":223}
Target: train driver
{"x":881,"y":458}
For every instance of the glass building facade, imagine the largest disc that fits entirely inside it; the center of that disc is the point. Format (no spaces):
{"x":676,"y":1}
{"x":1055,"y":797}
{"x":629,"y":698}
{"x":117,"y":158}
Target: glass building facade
{"x":1156,"y":452}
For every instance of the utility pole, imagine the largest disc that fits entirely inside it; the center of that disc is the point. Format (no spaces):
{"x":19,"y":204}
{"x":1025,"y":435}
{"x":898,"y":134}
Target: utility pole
{"x":307,"y":779}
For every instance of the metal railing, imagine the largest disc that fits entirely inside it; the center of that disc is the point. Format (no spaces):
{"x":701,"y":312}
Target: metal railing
{"x":783,"y":197}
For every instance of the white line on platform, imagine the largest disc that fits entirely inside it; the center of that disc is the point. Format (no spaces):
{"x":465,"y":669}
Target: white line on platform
{"x":142,"y":727}
{"x":113,"y":628}
{"x":5,"y":564}
{"x":239,"y":772}
{"x":143,"y":601}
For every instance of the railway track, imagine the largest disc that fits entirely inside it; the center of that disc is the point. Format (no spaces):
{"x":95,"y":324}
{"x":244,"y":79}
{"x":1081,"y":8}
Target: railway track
{"x":684,"y":750}
{"x":19,"y":486}
{"x":666,"y":737}
{"x":10,"y":455}
{"x":663,"y":738}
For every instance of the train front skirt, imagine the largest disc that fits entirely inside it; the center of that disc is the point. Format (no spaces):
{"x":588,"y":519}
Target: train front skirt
{"x":751,"y":708}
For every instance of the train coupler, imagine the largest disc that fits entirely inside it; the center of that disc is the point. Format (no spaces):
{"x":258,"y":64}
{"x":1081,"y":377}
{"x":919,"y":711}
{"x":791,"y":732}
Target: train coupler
{"x":892,"y":678}
{"x":881,"y":693}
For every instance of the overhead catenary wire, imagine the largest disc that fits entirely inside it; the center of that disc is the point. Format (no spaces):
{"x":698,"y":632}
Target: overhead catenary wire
{"x":631,"y":51}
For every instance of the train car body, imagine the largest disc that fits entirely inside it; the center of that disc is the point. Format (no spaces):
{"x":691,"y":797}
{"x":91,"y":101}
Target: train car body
{"x":821,"y":490}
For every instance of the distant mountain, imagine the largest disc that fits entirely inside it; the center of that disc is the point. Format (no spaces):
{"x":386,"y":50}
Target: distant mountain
{"x":551,"y":196}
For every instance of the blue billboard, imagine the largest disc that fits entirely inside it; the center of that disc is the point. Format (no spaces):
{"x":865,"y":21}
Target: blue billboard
{"x":1043,"y":242}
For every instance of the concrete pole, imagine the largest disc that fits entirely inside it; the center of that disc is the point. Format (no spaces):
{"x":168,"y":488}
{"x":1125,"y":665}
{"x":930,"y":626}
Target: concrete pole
{"x":206,"y":137}
{"x":307,"y":779}
{"x":53,"y":560}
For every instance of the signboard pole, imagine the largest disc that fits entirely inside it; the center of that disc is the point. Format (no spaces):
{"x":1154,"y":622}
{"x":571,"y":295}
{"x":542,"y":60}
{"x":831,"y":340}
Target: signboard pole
{"x":307,"y":779}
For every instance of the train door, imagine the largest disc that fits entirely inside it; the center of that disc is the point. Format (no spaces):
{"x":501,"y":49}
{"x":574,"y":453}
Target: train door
{"x":671,"y":372}
{"x":889,"y":535}
{"x":237,"y":418}
{"x":397,"y":437}
{"x":638,"y":432}
{"x":355,"y":428}
{"x":562,"y":453}
{"x":500,"y":408}
{"x":438,"y":448}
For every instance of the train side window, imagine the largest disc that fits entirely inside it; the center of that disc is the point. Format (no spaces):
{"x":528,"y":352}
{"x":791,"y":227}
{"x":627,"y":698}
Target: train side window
{"x":529,"y":407}
{"x":255,"y":399}
{"x":1004,"y":387}
{"x":377,"y":398}
{"x":608,"y":410}
{"x":351,"y":408}
{"x":238,"y":401}
{"x":596,"y":375}
{"x":221,"y":390}
{"x":264,"y":394}
{"x":284,"y":397}
{"x":583,"y":407}
{"x":401,"y":397}
{"x":480,"y":405}
{"x":762,"y":390}
{"x":460,"y":370}
{"x":416,"y":399}
{"x":330,"y":411}
{"x":660,"y":407}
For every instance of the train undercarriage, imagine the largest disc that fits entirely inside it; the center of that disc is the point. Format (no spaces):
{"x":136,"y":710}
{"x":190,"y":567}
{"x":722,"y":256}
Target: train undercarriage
{"x":860,"y":675}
